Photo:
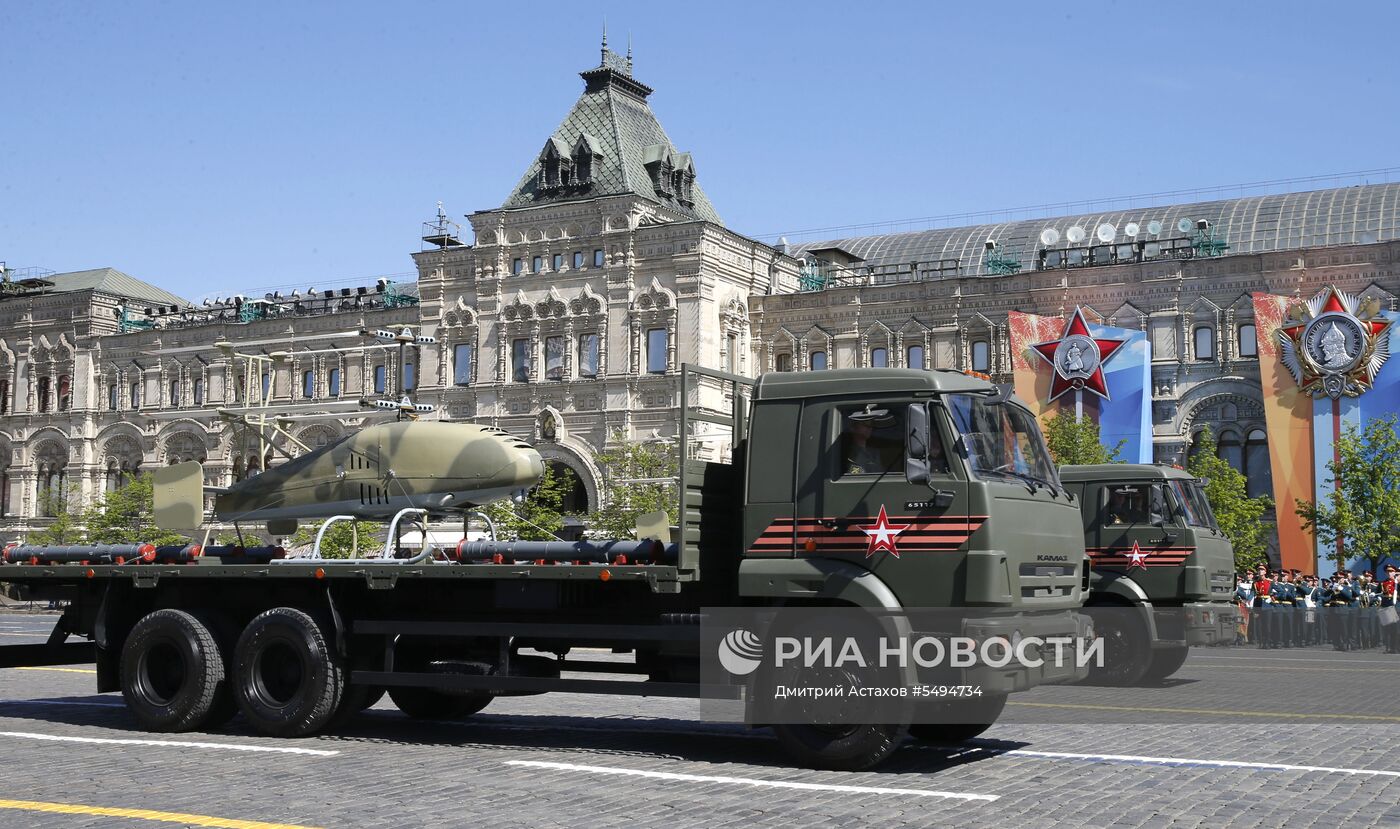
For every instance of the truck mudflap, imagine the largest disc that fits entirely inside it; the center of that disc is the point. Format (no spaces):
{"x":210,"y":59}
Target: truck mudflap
{"x":1044,"y":663}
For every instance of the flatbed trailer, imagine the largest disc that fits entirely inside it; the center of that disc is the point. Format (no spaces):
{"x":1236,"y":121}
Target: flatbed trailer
{"x":296,"y":645}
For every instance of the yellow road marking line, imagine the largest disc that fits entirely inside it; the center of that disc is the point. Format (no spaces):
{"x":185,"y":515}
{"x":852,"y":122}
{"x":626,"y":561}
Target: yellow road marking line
{"x":142,"y":814}
{"x":60,"y":670}
{"x":1216,"y":711}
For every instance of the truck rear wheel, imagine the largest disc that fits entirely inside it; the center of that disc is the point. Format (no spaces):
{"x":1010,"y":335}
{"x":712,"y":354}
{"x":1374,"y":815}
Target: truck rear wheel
{"x":853,"y":747}
{"x":980,"y":714}
{"x":172,"y":672}
{"x":1165,"y":662}
{"x":432,"y":704}
{"x":287,"y":678}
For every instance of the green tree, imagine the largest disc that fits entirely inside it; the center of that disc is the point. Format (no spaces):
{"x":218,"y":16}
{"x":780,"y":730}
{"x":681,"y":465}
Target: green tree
{"x":340,"y":540}
{"x":637,"y":478}
{"x":1363,"y":509}
{"x":538,"y":517}
{"x":1240,"y":517}
{"x":124,"y":516}
{"x":65,"y":528}
{"x":1075,"y":442}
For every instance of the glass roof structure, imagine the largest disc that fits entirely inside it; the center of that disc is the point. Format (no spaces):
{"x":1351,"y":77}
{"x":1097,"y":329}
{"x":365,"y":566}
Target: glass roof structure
{"x":1363,"y":214}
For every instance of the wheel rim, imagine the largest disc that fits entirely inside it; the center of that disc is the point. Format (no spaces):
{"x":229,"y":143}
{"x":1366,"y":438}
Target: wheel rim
{"x":161,"y":672}
{"x":278,"y":673}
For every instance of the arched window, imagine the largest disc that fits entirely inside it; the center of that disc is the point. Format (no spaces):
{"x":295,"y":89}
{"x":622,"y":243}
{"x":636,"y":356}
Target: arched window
{"x":914,"y":357}
{"x":782,"y":362}
{"x":308,"y":384}
{"x":175,"y":394}
{"x":112,"y":401}
{"x":1249,"y":343}
{"x":266,"y":385}
{"x":198,"y":392}
{"x":981,"y":356}
{"x":1256,"y":464}
{"x":65,"y":392}
{"x":43,"y":394}
{"x":333,"y":383}
{"x":409,"y":377}
{"x":879,"y":358}
{"x":4,"y":397}
{"x":135,"y":395}
{"x":379,"y":379}
{"x":1231,"y":450}
{"x":816,"y":361}
{"x":1203,"y":342}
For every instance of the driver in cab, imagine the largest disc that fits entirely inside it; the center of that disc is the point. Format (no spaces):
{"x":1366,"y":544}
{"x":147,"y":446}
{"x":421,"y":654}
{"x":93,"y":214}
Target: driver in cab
{"x":870,"y":444}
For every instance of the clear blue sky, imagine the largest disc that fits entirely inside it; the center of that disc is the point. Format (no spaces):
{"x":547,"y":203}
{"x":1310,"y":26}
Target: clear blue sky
{"x":206,"y":147}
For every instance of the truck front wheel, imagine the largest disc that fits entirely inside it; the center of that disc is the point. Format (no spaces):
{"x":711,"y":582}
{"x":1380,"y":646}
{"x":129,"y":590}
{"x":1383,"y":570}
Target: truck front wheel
{"x":288,"y":679}
{"x":1165,"y":662}
{"x":853,"y":747}
{"x":172,"y":672}
{"x":1126,"y":649}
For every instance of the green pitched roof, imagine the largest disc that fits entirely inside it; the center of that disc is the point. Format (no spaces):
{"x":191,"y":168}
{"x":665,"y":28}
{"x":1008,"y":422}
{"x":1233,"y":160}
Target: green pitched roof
{"x":613,"y":118}
{"x":116,"y":283}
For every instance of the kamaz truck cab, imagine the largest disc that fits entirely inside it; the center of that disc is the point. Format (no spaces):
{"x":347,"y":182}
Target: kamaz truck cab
{"x":1155,"y":546}
{"x":904,"y":489}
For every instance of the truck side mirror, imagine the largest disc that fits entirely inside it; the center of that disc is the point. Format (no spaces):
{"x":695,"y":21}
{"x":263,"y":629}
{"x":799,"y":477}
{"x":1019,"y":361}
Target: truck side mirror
{"x":916,"y":445}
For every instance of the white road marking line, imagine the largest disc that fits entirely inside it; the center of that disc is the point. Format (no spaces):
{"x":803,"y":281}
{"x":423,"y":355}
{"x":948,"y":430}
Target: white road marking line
{"x":61,"y":738}
{"x":4,"y":702}
{"x":34,"y":635}
{"x":59,"y":670}
{"x":1286,"y":659}
{"x":748,"y":781}
{"x":1184,"y":761}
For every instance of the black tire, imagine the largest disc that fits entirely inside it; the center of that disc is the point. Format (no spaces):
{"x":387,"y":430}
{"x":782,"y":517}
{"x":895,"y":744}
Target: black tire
{"x":172,"y":672}
{"x":839,"y":748}
{"x":431,"y":704}
{"x":1165,"y":662}
{"x":1127,"y":651}
{"x":288,"y":679}
{"x":982,"y":713}
{"x":226,"y":635}
{"x":353,"y":701}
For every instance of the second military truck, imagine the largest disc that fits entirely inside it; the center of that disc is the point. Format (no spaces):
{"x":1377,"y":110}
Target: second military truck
{"x":1155,"y":549}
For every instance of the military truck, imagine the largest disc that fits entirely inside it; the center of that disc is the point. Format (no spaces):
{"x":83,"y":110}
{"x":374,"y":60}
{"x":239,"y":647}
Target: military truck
{"x":810,"y":463}
{"x":1155,"y":547}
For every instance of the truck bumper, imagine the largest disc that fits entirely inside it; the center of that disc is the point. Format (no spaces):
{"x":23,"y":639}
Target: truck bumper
{"x":1056,"y":666}
{"x":1210,"y":623}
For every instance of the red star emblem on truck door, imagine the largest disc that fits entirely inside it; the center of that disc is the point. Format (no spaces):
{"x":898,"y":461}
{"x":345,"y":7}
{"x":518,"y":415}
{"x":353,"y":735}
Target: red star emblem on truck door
{"x":1136,"y":557}
{"x":882,"y":535}
{"x":1077,"y":358}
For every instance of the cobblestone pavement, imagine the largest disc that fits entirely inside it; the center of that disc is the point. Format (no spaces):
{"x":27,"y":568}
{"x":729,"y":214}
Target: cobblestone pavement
{"x":574,"y":760}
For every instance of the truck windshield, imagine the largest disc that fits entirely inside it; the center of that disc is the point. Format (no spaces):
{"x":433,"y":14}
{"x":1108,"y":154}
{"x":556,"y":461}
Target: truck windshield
{"x":1002,"y":440}
{"x":1192,"y":500}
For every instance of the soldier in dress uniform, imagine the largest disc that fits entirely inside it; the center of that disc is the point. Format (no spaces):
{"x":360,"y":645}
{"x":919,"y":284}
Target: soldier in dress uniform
{"x":1368,"y":628}
{"x":1263,"y":597}
{"x":1300,"y":609}
{"x":1284,"y":598}
{"x":1342,"y":600}
{"x":1390,"y":634}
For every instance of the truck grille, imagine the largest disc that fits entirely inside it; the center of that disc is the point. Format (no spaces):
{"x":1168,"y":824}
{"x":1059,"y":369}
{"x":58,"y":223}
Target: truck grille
{"x":1048,"y":581}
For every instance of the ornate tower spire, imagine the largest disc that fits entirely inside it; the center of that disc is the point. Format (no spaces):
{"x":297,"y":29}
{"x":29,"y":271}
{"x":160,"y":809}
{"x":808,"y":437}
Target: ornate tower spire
{"x":629,"y":52}
{"x":603,"y":58}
